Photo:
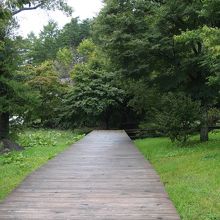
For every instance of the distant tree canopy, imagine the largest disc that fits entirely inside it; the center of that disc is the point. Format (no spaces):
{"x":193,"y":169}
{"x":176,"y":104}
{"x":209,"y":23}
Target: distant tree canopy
{"x":52,"y":39}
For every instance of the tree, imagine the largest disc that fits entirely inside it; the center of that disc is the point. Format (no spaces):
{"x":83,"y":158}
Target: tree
{"x":15,"y":97}
{"x":45,"y":81}
{"x":94,"y":97}
{"x":44,"y":47}
{"x":120,"y":30}
{"x":201,"y":62}
{"x":188,"y":68}
{"x":13,"y":94}
{"x":64,"y":62}
{"x":74,"y":32}
{"x":147,"y":40}
{"x":58,"y":45}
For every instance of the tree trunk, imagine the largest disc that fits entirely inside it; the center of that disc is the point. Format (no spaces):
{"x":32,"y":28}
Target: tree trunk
{"x":4,"y":125}
{"x":107,"y":123}
{"x":7,"y":145}
{"x":204,"y":131}
{"x":107,"y":118}
{"x":204,"y":134}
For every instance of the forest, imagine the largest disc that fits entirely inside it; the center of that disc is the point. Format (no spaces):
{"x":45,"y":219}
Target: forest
{"x":140,"y":64}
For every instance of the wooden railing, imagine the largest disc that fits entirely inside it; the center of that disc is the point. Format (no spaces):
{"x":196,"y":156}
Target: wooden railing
{"x":154,"y":132}
{"x":144,"y":133}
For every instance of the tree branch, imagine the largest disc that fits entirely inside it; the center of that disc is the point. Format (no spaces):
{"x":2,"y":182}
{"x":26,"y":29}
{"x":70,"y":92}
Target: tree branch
{"x":26,"y":9}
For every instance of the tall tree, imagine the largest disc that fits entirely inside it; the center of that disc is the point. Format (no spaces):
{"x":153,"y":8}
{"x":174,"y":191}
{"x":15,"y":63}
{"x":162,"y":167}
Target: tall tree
{"x":74,"y":32}
{"x":187,"y":52}
{"x":141,"y":39}
{"x":120,"y":29}
{"x":44,"y":47}
{"x":10,"y":88}
{"x":95,"y":96}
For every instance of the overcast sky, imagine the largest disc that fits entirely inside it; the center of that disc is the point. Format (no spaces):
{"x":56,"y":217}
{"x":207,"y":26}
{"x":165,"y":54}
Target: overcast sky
{"x":35,"y":20}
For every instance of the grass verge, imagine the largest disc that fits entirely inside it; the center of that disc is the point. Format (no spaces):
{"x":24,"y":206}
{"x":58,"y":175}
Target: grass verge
{"x":40,"y":146}
{"x":191,"y":174}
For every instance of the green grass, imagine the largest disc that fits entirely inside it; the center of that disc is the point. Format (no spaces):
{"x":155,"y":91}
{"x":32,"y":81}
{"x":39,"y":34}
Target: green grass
{"x":40,"y":146}
{"x":191,"y":174}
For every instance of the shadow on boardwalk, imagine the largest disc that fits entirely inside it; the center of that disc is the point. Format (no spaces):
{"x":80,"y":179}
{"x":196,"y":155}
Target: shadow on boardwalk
{"x":103,"y":176}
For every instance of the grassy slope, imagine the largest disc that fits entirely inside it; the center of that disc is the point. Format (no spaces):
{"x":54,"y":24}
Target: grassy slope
{"x":41,"y":145}
{"x":191,"y":174}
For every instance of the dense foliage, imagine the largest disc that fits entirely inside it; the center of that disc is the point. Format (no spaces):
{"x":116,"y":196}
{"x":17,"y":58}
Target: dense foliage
{"x":16,"y":97}
{"x":172,"y":45}
{"x":95,"y":96}
{"x":117,"y":70}
{"x":178,"y":116}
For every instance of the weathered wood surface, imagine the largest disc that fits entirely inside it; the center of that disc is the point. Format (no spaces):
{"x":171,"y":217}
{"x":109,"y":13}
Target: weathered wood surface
{"x":103,"y":176}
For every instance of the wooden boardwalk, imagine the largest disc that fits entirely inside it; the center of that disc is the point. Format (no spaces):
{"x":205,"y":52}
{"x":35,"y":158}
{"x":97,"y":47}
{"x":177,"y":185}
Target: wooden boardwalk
{"x":101,"y":177}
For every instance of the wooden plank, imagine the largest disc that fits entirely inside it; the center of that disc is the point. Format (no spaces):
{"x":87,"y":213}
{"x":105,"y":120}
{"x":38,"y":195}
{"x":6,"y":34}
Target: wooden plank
{"x":101,"y":177}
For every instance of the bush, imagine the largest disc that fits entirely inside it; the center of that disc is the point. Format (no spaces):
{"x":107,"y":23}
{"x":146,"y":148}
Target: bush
{"x":178,"y":116}
{"x":213,"y":116}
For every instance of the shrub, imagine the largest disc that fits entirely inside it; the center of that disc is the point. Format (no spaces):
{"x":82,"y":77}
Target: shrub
{"x":178,"y":116}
